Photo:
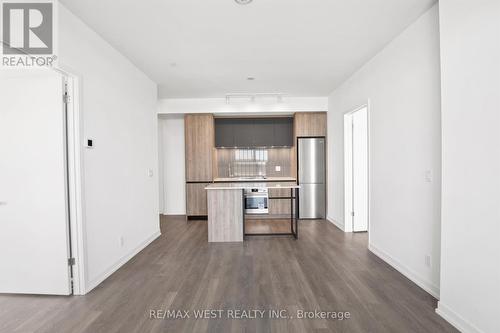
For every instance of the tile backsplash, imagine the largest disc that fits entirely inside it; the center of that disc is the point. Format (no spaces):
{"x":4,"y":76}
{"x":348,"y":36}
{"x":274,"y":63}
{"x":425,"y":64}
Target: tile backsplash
{"x":236,"y":162}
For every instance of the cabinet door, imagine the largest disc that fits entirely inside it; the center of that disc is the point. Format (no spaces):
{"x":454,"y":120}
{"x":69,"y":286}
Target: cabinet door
{"x":283,"y":132}
{"x":243,"y":133}
{"x":262,"y":133}
{"x":310,"y":124}
{"x":224,"y":133}
{"x":199,"y":142}
{"x":196,"y":199}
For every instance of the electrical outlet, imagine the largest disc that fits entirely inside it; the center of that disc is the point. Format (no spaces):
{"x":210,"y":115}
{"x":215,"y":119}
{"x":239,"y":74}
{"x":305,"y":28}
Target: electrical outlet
{"x":121,"y":241}
{"x":428,"y":261}
{"x":277,"y":168}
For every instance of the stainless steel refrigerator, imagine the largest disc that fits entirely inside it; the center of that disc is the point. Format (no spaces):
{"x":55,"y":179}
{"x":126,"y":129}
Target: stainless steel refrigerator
{"x":311,"y":163}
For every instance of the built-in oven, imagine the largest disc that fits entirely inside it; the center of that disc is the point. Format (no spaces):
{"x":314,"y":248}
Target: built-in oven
{"x":256,"y":201}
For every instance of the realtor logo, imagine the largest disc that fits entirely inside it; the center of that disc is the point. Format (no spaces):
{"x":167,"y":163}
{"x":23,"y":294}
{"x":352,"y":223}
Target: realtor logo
{"x":28,"y":33}
{"x":27,"y":28}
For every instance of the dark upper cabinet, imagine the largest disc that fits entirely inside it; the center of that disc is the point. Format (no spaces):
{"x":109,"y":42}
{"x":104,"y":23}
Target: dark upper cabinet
{"x":263,"y":132}
{"x":283,"y":132}
{"x":224,"y":132}
{"x":253,"y":132}
{"x":243,"y":133}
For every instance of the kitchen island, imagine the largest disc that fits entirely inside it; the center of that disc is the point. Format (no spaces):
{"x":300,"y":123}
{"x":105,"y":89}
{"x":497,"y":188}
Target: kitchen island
{"x":226,"y":209}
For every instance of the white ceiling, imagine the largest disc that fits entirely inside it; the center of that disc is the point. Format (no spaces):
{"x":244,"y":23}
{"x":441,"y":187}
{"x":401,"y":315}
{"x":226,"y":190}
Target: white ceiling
{"x":207,"y":48}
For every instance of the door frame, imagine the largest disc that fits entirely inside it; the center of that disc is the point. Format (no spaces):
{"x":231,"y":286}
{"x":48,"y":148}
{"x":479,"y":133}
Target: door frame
{"x":75,"y":193}
{"x":348,"y":167}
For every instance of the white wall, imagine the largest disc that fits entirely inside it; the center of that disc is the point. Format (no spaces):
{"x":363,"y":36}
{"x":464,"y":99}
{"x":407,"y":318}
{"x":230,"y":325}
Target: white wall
{"x":243,"y":105}
{"x":118,"y":106}
{"x":172,"y":169}
{"x":402,"y":85}
{"x":470,"y":246}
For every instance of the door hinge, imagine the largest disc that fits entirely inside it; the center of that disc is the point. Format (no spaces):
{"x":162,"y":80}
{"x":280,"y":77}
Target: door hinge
{"x":66,"y":99}
{"x":71,"y":261}
{"x":352,"y":213}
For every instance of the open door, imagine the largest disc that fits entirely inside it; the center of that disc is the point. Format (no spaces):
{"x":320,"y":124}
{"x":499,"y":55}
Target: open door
{"x":34,"y":225}
{"x":356,"y":170}
{"x":360,"y":170}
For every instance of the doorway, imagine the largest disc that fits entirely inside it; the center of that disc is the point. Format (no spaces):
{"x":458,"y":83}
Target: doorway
{"x":356,"y":139}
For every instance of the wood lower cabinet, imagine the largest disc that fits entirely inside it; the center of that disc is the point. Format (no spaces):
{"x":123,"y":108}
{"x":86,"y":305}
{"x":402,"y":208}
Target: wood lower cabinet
{"x":196,"y":199}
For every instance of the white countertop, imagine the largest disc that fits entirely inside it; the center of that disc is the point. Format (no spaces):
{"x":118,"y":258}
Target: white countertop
{"x":248,"y":185}
{"x":246,"y":179}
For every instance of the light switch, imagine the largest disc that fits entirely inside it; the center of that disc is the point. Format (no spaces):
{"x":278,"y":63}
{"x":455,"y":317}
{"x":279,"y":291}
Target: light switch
{"x":428,"y":260}
{"x":150,"y":172}
{"x":428,"y":176}
{"x":277,"y":168}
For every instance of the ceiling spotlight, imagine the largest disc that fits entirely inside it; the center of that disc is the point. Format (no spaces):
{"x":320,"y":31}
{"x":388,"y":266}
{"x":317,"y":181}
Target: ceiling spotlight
{"x":243,"y":2}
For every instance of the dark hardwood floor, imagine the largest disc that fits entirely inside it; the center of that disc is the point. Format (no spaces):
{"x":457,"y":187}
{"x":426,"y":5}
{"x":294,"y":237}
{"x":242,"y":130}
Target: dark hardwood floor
{"x":324,"y":269}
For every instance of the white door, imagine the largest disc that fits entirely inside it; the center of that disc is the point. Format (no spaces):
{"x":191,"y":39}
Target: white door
{"x":34,"y":247}
{"x":360,"y":170}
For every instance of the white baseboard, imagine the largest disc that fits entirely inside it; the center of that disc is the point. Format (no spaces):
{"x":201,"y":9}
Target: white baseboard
{"x":456,"y":320}
{"x":166,"y":212}
{"x":335,"y":223}
{"x":410,"y":274}
{"x":123,"y":260}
